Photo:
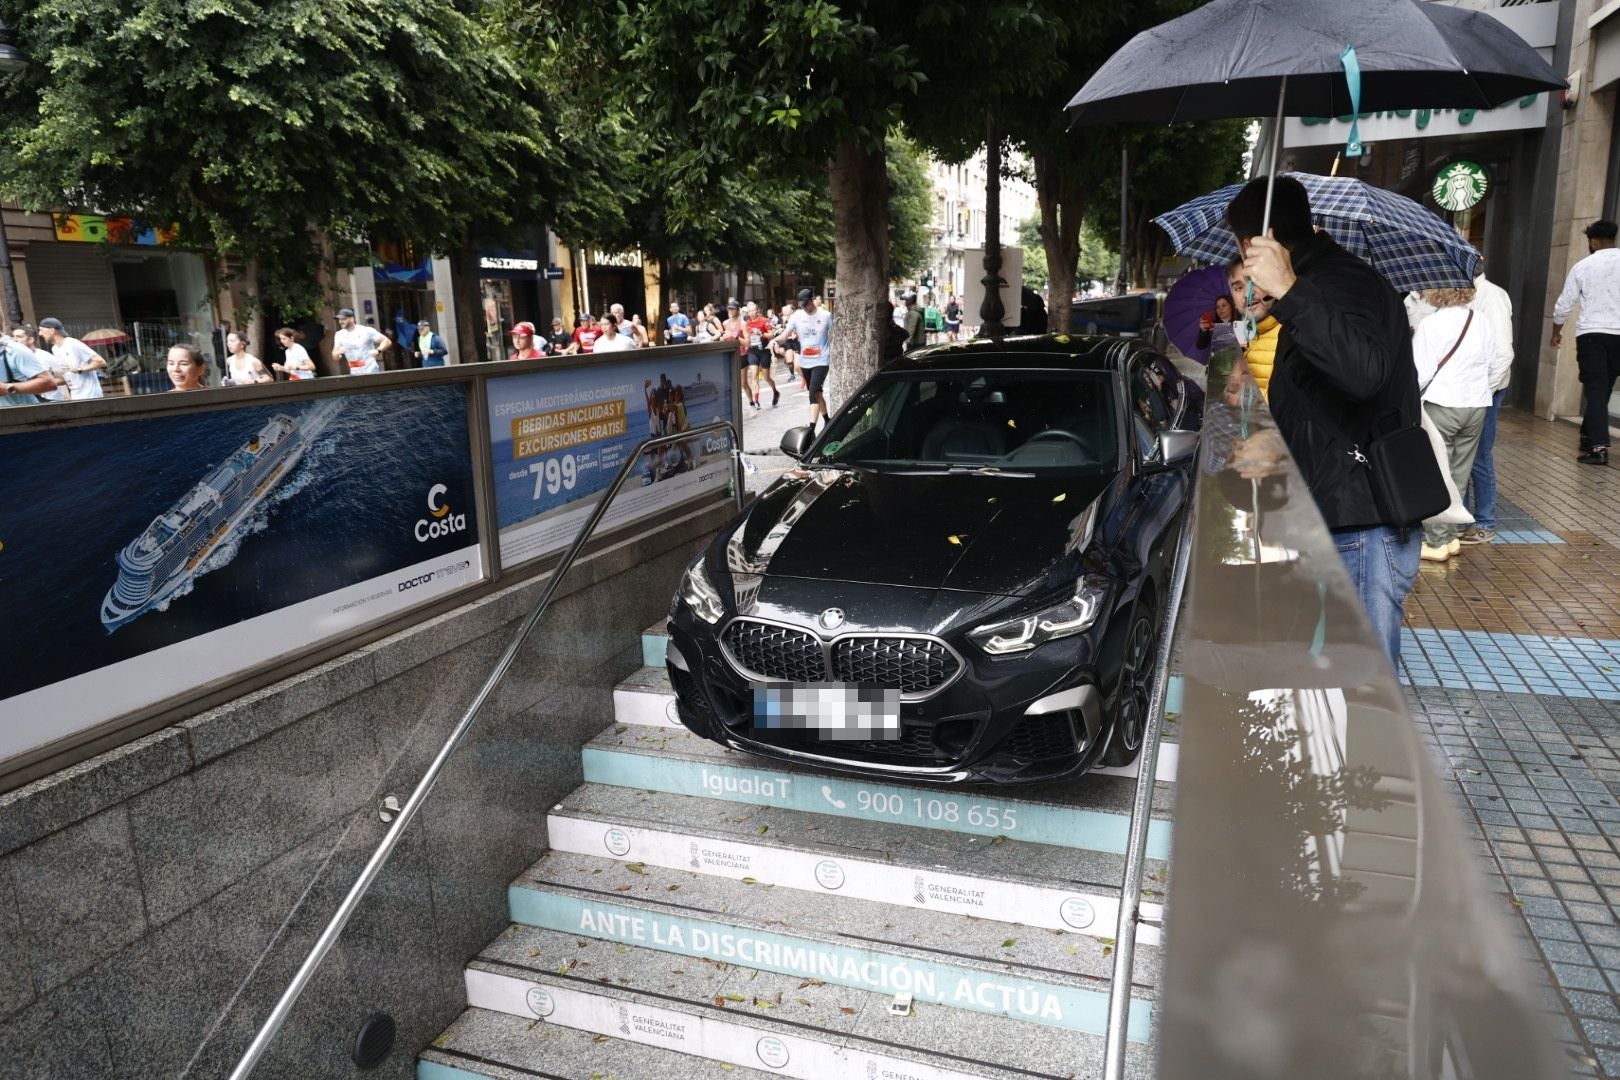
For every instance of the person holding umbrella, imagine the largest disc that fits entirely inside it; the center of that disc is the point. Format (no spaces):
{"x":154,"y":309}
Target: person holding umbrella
{"x":1344,"y":373}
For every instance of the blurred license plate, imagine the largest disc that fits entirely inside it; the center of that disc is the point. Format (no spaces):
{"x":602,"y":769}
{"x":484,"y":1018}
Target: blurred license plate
{"x":832,"y":711}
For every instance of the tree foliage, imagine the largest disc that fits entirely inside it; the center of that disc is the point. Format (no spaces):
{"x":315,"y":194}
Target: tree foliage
{"x":261,"y":126}
{"x":911,"y":206}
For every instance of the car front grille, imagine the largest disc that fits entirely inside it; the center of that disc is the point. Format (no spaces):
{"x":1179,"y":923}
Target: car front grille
{"x":915,"y":665}
{"x":776,"y":652}
{"x":1039,"y":737}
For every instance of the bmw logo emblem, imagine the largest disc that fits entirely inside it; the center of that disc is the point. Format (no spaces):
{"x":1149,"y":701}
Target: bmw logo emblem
{"x":832,"y":618}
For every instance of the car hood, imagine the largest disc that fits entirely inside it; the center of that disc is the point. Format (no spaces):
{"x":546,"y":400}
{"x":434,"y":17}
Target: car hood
{"x":973,"y":533}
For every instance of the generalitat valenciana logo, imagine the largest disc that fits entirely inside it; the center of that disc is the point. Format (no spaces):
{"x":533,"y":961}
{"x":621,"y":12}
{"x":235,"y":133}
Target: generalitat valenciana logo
{"x":440,"y":521}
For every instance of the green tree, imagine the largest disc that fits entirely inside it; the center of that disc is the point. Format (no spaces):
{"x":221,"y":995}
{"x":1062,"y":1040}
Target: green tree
{"x":1036,"y":274}
{"x":911,"y":206}
{"x":815,"y":86}
{"x":272,"y":129}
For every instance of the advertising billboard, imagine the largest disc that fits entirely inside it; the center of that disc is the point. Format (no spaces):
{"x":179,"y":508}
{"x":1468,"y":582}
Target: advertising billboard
{"x":146,"y":558}
{"x":557,"y":438}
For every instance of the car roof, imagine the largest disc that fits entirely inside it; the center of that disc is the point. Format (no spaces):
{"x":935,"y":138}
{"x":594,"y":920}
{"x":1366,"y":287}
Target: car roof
{"x":1059,"y":352}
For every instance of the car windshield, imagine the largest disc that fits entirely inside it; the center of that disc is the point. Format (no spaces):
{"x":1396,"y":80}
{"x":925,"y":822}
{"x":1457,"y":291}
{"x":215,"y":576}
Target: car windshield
{"x":1018,"y":421}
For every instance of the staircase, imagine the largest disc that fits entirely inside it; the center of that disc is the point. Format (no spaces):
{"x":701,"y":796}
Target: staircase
{"x":702,"y":913}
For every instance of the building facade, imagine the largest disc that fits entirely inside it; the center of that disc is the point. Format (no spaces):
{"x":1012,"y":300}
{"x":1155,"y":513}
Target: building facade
{"x":958,"y":223}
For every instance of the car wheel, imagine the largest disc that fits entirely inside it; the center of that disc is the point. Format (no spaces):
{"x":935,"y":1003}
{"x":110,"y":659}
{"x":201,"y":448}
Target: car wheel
{"x":1135,"y":693}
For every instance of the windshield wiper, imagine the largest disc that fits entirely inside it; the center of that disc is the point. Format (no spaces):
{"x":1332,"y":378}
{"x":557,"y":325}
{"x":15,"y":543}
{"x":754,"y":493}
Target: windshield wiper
{"x":918,"y":468}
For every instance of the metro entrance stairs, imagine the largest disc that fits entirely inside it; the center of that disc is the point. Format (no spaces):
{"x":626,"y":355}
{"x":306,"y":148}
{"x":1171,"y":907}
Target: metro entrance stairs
{"x":703,"y":913}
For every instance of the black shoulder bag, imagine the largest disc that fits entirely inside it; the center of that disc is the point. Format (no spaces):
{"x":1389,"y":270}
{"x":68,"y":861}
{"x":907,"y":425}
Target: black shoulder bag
{"x":1407,"y":483}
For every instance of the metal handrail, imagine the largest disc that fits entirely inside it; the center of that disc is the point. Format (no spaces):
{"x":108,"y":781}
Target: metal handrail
{"x":1147,"y":768}
{"x":362,"y":884}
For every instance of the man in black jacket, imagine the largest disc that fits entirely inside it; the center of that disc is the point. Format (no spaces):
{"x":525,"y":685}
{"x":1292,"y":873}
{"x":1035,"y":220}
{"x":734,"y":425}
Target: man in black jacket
{"x":1344,"y":375}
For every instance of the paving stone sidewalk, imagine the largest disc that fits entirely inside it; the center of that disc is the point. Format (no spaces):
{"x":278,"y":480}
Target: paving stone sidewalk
{"x":1511,"y":658}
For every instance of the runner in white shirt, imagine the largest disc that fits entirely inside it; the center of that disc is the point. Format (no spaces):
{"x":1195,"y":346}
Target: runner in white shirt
{"x":613,"y":338}
{"x":813,"y":327}
{"x":1594,"y":283}
{"x":296,"y":363}
{"x":79,"y":364}
{"x":361,"y":347}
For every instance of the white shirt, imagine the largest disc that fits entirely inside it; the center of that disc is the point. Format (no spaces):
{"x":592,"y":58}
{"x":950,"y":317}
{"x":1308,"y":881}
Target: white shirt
{"x":1465,"y":381}
{"x":614,"y":343}
{"x":296,"y":354}
{"x":1491,"y":303}
{"x":55,"y":367}
{"x":356,"y":346}
{"x":1594,"y":283}
{"x":813,"y":332}
{"x":81,"y":386}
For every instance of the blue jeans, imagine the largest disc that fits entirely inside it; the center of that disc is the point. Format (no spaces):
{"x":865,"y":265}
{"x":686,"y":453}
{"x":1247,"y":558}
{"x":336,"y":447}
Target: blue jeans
{"x":1481,"y":501}
{"x":1383,"y":567}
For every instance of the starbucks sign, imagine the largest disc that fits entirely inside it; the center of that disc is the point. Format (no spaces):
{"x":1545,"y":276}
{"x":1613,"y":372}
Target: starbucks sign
{"x":1460,"y":185}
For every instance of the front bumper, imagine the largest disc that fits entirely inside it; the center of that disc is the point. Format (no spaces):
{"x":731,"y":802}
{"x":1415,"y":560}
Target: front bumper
{"x":1017,"y":719}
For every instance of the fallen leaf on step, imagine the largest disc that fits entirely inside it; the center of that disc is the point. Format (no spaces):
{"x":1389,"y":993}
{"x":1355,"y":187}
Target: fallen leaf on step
{"x":636,"y":868}
{"x":736,"y":997}
{"x":621,"y":888}
{"x":997,"y":840}
{"x":1009,"y":943}
{"x":599,"y":1038}
{"x":846,"y":1010}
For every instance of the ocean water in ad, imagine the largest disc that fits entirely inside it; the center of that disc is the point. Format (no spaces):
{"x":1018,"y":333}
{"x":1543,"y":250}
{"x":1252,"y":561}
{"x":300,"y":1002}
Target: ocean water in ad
{"x":124,"y":540}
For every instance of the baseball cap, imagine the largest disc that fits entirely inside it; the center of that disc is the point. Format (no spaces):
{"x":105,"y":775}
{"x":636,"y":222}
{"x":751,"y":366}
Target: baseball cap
{"x":804,"y":295}
{"x":51,"y":324}
{"x":346,"y":313}
{"x":424,"y":322}
{"x":523,"y":328}
{"x":1598,"y":230}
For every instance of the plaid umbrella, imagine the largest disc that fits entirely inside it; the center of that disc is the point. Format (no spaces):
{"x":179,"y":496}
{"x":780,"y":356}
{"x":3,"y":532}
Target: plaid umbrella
{"x":1410,"y":246}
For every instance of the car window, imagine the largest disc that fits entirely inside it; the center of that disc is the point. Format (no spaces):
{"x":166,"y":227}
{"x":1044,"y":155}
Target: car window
{"x":1015,"y":420}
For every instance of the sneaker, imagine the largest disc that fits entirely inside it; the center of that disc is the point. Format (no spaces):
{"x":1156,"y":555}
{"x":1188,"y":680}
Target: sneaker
{"x":1430,"y":553}
{"x":1598,"y":455}
{"x":1476,"y":534}
{"x":776,"y":397}
{"x":754,"y":403}
{"x":1454,"y":547}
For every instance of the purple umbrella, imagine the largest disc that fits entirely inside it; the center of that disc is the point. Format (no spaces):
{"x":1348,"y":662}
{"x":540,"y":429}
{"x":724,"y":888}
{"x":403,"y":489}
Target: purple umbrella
{"x":1189,"y":299}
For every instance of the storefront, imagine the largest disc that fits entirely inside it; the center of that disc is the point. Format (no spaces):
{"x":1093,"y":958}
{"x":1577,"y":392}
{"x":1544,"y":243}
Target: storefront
{"x":512,"y":288}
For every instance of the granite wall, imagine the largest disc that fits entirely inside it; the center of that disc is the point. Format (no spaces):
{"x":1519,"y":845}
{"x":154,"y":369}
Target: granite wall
{"x":155,"y":900}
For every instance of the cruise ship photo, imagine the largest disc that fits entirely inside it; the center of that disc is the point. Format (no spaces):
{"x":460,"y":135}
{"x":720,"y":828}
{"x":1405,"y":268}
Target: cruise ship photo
{"x":169,"y":553}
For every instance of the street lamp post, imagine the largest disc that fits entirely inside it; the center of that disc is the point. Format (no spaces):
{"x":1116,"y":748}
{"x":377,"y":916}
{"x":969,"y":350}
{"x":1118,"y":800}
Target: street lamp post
{"x":11,"y":59}
{"x":991,"y":310}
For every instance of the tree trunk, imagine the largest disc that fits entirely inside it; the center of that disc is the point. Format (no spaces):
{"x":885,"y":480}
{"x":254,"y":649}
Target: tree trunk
{"x":1063,"y":207}
{"x":859,"y":181}
{"x":332,"y":297}
{"x":468,"y":309}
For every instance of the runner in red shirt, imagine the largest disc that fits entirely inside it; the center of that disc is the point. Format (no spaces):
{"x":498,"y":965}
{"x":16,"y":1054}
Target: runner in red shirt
{"x":585,"y":334}
{"x":523,"y":347}
{"x":758,"y":332}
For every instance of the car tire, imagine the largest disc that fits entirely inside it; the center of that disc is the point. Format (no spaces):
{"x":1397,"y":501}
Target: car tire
{"x":1135,"y":694}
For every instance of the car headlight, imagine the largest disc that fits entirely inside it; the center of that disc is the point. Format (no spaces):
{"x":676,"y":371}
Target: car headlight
{"x":1072,"y":616}
{"x":698,"y":593}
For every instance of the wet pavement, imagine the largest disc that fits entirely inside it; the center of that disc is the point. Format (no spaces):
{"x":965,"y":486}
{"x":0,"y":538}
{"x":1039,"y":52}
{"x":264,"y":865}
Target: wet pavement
{"x":1511,"y":657}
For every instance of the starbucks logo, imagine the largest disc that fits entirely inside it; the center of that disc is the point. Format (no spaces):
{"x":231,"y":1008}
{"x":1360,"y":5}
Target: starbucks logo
{"x":829,"y":875}
{"x":1077,"y":912}
{"x":539,"y":1001}
{"x":617,"y":841}
{"x":1460,"y":185}
{"x":772,"y":1051}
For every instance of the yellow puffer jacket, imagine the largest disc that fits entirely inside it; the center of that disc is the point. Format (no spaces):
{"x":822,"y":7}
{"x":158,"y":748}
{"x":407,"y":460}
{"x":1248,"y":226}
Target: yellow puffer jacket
{"x":1261,"y":355}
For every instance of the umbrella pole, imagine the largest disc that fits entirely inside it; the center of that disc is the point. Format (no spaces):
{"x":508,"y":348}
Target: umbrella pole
{"x":1276,"y":148}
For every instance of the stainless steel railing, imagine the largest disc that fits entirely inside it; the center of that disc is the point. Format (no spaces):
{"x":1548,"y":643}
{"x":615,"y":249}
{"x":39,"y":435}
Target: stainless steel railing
{"x":385,"y":848}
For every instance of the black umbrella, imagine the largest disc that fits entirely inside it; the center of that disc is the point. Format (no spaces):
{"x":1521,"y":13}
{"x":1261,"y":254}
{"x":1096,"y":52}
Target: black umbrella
{"x":1312,"y":58}
{"x":1246,"y":57}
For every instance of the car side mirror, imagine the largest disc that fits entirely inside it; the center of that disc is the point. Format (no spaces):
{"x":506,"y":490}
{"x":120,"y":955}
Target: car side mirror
{"x":1176,"y":448}
{"x":795,"y":441}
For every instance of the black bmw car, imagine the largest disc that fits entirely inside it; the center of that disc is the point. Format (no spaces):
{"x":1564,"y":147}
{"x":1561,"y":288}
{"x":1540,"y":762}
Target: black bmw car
{"x":963,"y":580}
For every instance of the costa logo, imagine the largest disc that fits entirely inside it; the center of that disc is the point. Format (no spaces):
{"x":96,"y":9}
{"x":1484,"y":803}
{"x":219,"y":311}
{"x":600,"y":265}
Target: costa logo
{"x":440,"y":520}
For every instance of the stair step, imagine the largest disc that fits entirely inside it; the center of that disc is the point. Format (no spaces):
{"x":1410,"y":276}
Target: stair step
{"x":1010,"y":882}
{"x":646,"y":698}
{"x":1092,"y":812}
{"x":485,"y":1043}
{"x":781,"y":1024}
{"x":652,"y":644}
{"x":1041,"y":976}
